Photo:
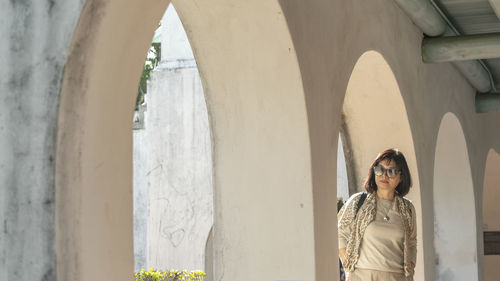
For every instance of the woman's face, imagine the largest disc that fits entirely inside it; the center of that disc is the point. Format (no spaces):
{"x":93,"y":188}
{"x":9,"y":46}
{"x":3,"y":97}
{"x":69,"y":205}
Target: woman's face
{"x":385,"y":182}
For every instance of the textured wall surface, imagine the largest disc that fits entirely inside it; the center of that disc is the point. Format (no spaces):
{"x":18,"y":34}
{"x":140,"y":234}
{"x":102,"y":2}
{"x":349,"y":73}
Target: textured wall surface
{"x":275,"y":75}
{"x":140,"y":190}
{"x":173,"y":198}
{"x":35,"y":36}
{"x":179,"y":171}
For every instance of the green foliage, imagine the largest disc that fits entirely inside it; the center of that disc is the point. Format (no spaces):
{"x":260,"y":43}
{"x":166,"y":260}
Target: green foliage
{"x":152,"y":60}
{"x":169,"y":275}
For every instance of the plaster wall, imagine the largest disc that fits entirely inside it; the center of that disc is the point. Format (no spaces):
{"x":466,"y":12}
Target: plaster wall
{"x":140,"y":181}
{"x":454,"y":206}
{"x":174,"y":41}
{"x":33,"y":49}
{"x":329,"y":38}
{"x":173,"y":195}
{"x":491,"y":270}
{"x":260,"y":138}
{"x":94,"y":193}
{"x":491,"y":192}
{"x":275,"y":78}
{"x":258,"y":112}
{"x":491,"y":209}
{"x":179,"y":170}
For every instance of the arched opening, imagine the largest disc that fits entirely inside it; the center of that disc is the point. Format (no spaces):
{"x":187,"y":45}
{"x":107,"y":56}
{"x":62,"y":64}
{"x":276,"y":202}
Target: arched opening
{"x":491,"y":209}
{"x":260,"y":139}
{"x":172,"y":158}
{"x":455,"y":237}
{"x":374,"y":119}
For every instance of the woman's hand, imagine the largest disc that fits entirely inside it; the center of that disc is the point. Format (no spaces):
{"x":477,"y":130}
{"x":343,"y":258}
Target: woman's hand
{"x":342,"y":255}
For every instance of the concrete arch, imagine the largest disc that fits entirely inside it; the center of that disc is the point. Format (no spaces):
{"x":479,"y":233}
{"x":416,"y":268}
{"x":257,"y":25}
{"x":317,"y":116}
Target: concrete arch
{"x":258,"y":117}
{"x":455,"y":236}
{"x":373,"y":107}
{"x":491,"y":209}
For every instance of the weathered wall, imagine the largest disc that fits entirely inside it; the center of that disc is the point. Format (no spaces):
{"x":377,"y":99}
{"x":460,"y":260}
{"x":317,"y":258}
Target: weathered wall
{"x":257,"y":114}
{"x":173,"y":198}
{"x":35,"y":40}
{"x":275,"y":78}
{"x":141,"y":210}
{"x":179,"y":170}
{"x":94,"y":196}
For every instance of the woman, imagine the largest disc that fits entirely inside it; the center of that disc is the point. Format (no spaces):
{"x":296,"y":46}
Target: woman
{"x":378,"y":241}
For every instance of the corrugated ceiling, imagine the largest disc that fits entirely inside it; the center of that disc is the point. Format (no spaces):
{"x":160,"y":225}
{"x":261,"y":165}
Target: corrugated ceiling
{"x":474,"y":17}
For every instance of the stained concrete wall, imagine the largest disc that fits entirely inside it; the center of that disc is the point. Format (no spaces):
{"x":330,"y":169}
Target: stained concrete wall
{"x":275,"y":74}
{"x":141,"y":198}
{"x":179,"y":171}
{"x":33,"y":49}
{"x":173,"y":210}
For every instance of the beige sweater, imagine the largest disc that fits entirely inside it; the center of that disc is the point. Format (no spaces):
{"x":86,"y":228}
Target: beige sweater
{"x":373,"y":243}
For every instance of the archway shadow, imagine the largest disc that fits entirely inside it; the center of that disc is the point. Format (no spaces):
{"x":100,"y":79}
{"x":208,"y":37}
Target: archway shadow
{"x":455,"y":236}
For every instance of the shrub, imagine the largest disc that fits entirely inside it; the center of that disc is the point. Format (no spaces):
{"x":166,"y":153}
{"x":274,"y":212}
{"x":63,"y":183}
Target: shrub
{"x":169,"y":275}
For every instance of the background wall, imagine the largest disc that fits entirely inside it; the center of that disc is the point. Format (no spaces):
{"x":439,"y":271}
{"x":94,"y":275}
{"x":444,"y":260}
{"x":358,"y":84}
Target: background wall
{"x":275,"y":74}
{"x":33,"y":50}
{"x":454,"y":206}
{"x":140,"y":182}
{"x":179,"y":170}
{"x":173,"y":176}
{"x":491,"y":209}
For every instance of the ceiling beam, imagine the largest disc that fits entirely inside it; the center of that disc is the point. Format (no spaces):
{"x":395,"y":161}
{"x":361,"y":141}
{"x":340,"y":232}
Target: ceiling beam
{"x":495,"y":4}
{"x":460,"y":48}
{"x":424,"y":15}
{"x":431,"y":20}
{"x":487,"y":102}
{"x":476,"y":74}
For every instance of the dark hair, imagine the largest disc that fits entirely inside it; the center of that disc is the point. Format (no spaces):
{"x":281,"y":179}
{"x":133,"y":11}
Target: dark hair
{"x":399,"y":159}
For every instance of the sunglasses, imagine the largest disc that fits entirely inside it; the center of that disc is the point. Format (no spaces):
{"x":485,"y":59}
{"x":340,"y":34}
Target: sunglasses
{"x":391,"y":173}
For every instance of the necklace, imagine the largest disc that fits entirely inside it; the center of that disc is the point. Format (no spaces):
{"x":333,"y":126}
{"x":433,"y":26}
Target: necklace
{"x":386,"y":217}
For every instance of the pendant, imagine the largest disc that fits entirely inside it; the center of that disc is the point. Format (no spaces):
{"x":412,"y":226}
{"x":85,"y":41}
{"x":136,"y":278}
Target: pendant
{"x":387,"y":218}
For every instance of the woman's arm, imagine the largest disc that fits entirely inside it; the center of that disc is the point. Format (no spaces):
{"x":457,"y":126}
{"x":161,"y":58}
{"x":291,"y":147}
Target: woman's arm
{"x":412,"y":243}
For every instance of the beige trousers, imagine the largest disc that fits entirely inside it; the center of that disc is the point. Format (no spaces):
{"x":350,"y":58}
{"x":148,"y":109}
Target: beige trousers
{"x":374,"y":275}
